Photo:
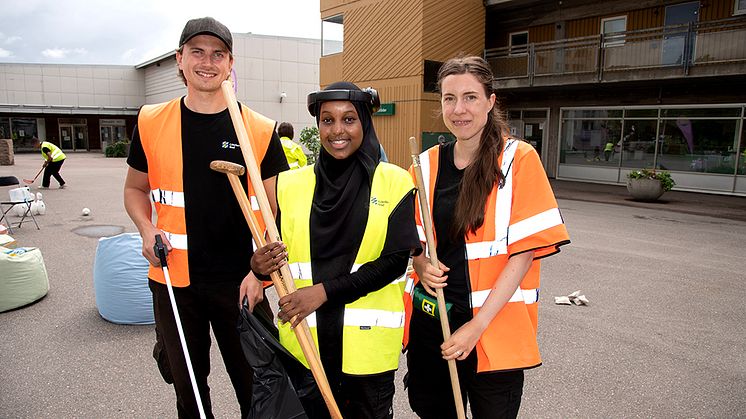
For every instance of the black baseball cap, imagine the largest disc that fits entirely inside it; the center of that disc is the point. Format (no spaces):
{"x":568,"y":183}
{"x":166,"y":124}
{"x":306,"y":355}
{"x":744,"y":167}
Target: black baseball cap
{"x":206,"y":26}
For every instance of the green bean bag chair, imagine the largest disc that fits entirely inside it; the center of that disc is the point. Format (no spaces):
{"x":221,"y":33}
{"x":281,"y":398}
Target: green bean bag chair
{"x":23,"y":277}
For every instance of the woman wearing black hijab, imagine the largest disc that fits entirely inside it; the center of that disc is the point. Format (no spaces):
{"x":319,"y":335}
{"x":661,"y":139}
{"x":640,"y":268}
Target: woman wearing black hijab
{"x":347,"y":222}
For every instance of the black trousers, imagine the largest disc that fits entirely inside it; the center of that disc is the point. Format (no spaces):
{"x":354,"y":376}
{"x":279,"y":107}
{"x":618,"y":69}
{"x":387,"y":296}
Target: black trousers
{"x":359,"y":397}
{"x":200,"y":307}
{"x":53,"y":169}
{"x":491,"y":395}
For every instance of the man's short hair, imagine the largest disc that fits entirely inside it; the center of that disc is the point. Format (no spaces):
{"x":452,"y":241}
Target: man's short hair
{"x":285,"y":130}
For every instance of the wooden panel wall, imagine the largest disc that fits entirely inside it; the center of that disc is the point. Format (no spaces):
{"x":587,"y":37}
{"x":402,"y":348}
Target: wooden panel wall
{"x":715,"y":9}
{"x":330,"y":69}
{"x":541,"y":33}
{"x":450,"y":28}
{"x":583,"y":27}
{"x":383,"y":40}
{"x":394,"y":130}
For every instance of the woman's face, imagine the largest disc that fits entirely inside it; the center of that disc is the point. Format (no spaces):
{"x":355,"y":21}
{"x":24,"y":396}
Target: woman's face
{"x":340,"y":129}
{"x":465,"y":106}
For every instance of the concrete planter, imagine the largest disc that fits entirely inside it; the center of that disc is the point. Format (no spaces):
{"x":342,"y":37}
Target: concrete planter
{"x":645,"y":189}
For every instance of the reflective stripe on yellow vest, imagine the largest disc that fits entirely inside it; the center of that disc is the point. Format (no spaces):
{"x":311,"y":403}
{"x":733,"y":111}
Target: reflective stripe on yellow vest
{"x":509,"y":342}
{"x":54,"y":151}
{"x":159,"y":127}
{"x":373,"y":324}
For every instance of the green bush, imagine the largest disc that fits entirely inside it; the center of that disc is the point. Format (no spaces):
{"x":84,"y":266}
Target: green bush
{"x":309,"y":137}
{"x":664,"y":177}
{"x":117,"y":149}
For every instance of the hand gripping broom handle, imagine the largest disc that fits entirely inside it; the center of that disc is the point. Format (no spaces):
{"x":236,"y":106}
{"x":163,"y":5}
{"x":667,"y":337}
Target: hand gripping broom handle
{"x":302,"y":332}
{"x":427,"y":226}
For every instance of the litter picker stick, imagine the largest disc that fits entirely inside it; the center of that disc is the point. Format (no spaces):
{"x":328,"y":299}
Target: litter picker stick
{"x":233,"y":171}
{"x":302,"y":331}
{"x":428,"y":227}
{"x":35,"y":177}
{"x":160,"y":251}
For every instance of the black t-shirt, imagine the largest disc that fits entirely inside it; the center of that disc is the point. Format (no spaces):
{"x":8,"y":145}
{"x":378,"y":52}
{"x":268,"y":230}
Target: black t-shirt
{"x":218,"y":238}
{"x":451,"y":250}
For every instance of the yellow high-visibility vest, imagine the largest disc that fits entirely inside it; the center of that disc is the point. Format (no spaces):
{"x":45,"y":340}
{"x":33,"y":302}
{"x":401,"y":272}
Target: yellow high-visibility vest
{"x":374,"y":324}
{"x":54,"y":151}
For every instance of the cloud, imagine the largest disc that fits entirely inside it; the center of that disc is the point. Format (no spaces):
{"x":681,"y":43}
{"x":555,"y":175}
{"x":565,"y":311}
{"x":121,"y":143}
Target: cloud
{"x":58,"y":53}
{"x":4,"y":53}
{"x":11,"y":39}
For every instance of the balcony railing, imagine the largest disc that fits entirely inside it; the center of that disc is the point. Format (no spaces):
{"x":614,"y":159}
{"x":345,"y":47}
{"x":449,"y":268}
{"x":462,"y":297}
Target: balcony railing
{"x":677,"y":50}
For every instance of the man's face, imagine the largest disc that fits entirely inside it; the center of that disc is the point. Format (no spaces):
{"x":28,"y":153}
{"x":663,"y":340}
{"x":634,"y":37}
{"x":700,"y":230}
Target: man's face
{"x":206,"y":62}
{"x":340,"y":128}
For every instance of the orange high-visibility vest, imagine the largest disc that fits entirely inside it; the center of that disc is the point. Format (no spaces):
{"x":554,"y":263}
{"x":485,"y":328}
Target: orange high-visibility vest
{"x":519,"y":217}
{"x":160,"y":133}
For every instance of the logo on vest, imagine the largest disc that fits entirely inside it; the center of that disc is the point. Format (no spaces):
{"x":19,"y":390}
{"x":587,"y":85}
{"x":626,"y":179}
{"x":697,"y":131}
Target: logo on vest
{"x":379,"y":202}
{"x":428,"y":307}
{"x":229,"y":145}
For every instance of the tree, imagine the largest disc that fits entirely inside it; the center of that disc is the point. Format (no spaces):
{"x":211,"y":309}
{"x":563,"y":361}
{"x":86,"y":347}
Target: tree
{"x":309,"y":138}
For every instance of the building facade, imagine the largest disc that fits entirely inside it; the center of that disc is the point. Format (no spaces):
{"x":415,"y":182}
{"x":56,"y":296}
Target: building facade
{"x":599,"y":88}
{"x":86,"y":107}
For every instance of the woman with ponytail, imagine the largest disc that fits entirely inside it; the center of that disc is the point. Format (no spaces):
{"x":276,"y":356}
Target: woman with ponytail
{"x":494,"y":216}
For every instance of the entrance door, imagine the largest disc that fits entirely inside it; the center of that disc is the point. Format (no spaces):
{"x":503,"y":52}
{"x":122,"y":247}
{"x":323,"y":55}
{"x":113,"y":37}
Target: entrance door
{"x":74,"y":137}
{"x":676,"y":49}
{"x":66,"y":137}
{"x":533,"y":132}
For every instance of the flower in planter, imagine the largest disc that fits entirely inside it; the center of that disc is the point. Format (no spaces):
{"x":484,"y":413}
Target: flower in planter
{"x":667,"y":182}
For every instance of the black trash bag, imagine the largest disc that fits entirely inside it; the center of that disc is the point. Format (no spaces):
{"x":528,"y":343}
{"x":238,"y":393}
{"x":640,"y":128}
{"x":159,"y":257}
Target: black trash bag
{"x":283,"y":387}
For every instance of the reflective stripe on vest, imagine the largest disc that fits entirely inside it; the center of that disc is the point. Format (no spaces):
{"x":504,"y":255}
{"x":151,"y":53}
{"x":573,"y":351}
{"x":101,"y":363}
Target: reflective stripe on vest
{"x":357,"y":317}
{"x":524,"y":296}
{"x":373,"y":324}
{"x":170,"y":198}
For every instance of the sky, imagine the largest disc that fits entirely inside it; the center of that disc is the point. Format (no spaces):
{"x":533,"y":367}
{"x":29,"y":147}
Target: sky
{"x":129,"y":32}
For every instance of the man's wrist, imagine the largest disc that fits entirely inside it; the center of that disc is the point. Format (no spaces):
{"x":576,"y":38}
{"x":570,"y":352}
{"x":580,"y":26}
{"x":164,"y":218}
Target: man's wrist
{"x":261,"y":277}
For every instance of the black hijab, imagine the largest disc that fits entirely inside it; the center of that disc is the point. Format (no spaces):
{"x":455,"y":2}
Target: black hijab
{"x":340,"y":202}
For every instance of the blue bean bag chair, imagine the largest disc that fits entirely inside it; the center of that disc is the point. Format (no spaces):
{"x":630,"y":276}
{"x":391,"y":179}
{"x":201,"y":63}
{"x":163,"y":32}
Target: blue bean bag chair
{"x":23,"y":277}
{"x":120,"y":280}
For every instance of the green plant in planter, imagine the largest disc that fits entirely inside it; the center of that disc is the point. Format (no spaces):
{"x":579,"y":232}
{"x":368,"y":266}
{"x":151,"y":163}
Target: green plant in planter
{"x":309,"y":137}
{"x":667,"y":182}
{"x":117,"y":149}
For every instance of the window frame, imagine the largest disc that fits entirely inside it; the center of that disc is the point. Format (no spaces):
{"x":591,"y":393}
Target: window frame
{"x":615,"y":42}
{"x":736,"y":10}
{"x":338,"y":19}
{"x":523,"y":48}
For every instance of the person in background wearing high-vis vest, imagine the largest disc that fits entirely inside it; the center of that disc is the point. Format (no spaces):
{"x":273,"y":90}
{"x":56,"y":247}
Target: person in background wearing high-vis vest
{"x":494,"y":217}
{"x":199,"y":219}
{"x":293,"y":151}
{"x":53,"y":160}
{"x":348,"y":229}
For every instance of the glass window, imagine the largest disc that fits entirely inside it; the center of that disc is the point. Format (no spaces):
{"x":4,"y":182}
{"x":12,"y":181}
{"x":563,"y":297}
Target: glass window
{"x":24,"y":129}
{"x":591,"y":142}
{"x":610,"y":28}
{"x":430,"y":77}
{"x":704,"y":145}
{"x":592,"y":113}
{"x":701,"y":113}
{"x":332,"y":35}
{"x":519,"y":43}
{"x":5,"y":128}
{"x":742,"y":152}
{"x":514,"y":115}
{"x":641,"y":113}
{"x":637,"y":147}
{"x":740,"y":7}
{"x":534,"y":114}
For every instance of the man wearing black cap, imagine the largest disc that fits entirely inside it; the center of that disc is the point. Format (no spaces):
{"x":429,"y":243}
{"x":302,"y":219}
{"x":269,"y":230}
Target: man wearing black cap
{"x":198,"y":218}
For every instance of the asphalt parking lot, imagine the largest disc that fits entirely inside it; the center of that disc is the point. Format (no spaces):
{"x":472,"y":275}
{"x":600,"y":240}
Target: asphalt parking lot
{"x":663,"y":335}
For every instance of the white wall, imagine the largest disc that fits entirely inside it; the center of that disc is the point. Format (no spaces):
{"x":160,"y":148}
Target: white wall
{"x":71,"y":85}
{"x":265,"y":66}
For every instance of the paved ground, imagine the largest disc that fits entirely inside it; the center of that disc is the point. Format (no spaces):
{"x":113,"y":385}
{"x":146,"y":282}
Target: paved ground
{"x":663,"y":336}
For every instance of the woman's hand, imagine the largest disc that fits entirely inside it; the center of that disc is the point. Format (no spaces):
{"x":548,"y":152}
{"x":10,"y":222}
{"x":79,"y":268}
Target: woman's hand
{"x":430,"y":276}
{"x":269,"y":258}
{"x":252,"y":290}
{"x":462,"y":342}
{"x":301,"y":303}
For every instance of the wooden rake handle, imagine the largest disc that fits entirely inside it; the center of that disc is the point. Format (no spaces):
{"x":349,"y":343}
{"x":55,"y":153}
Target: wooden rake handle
{"x":428,"y":227}
{"x":302,"y":331}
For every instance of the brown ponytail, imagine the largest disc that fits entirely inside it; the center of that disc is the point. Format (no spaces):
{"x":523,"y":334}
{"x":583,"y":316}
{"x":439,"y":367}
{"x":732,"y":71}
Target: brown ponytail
{"x":483,"y":172}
